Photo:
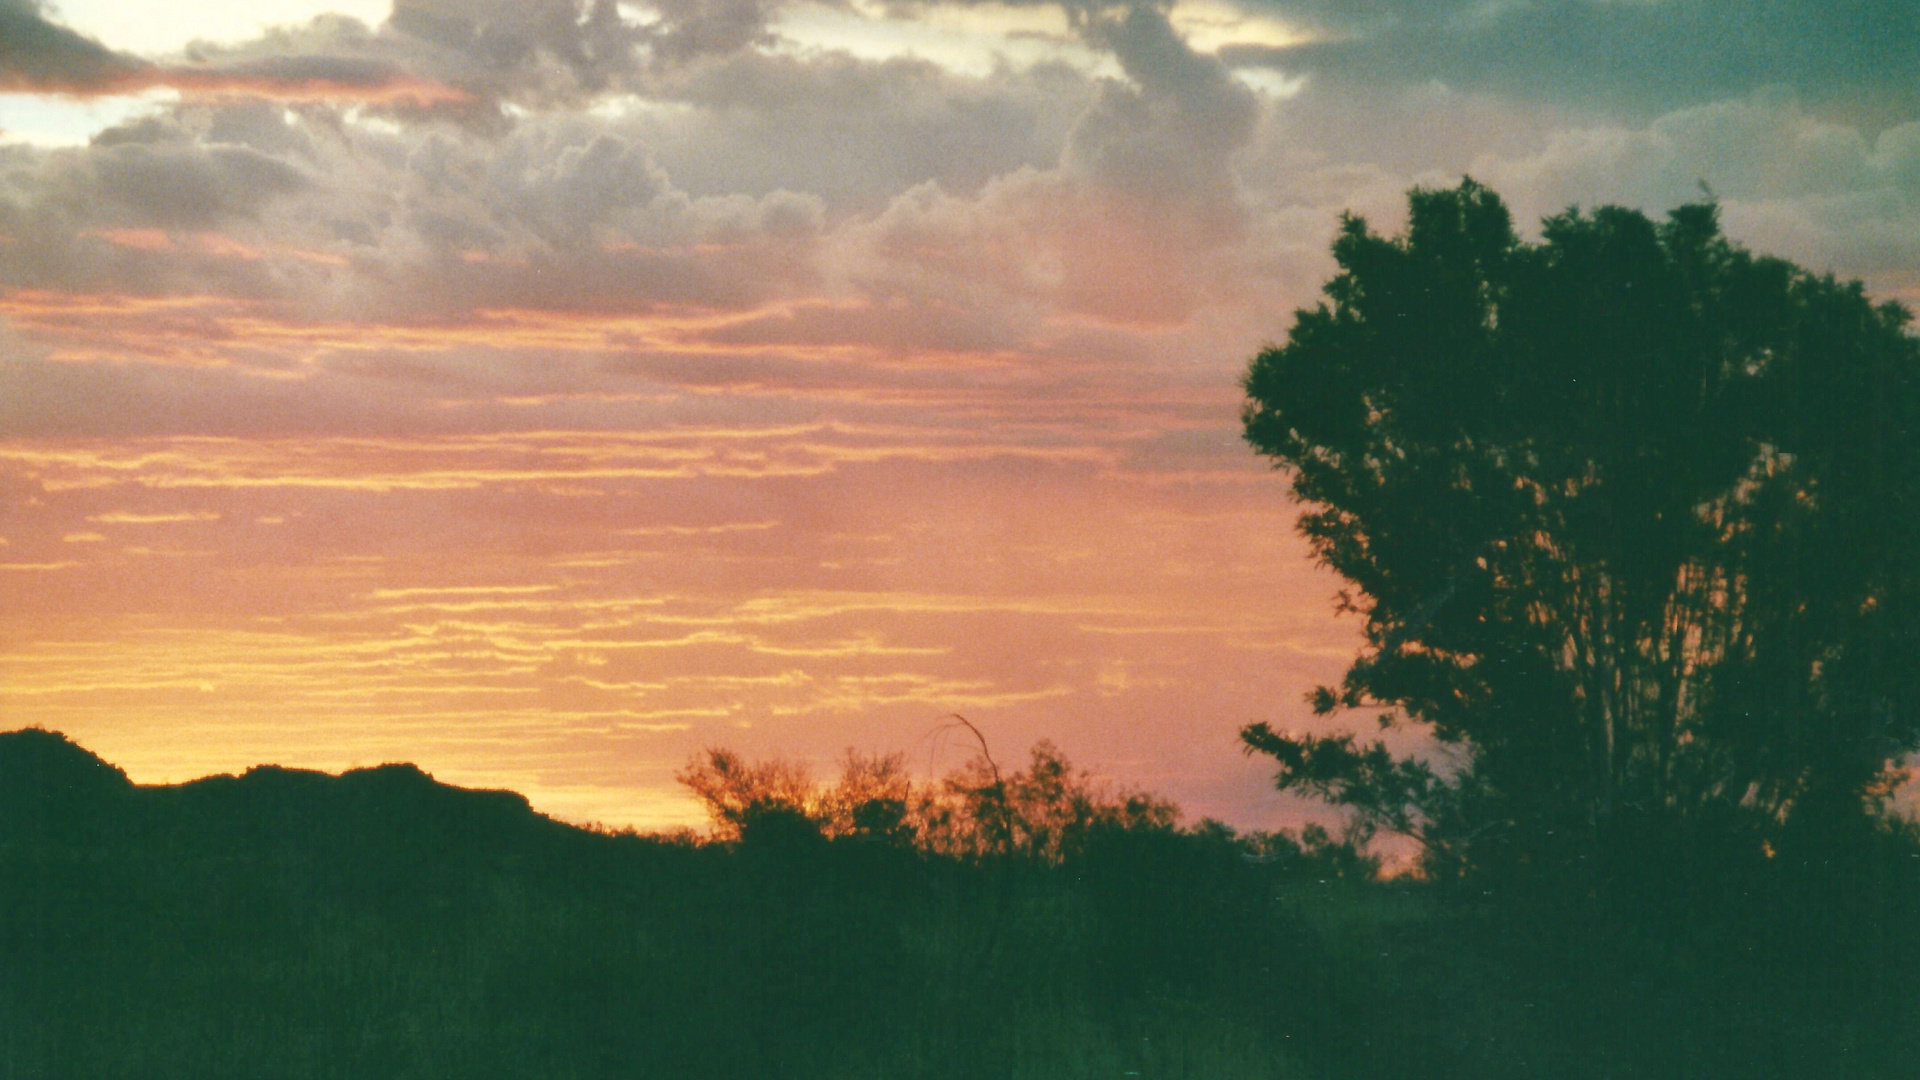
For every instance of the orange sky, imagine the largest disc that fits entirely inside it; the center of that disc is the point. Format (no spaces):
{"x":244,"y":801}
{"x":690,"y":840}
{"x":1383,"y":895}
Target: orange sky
{"x":571,"y":613}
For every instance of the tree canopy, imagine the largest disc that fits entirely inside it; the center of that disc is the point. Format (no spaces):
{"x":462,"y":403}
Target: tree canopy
{"x":1633,"y":519}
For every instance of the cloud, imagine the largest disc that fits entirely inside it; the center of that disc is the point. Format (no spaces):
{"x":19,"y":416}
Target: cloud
{"x":1138,"y":222}
{"x":753,"y":121}
{"x":186,"y":187}
{"x":1649,"y":56}
{"x":1170,"y":133}
{"x":357,"y":221}
{"x":969,"y":213}
{"x":1790,"y":182}
{"x":340,"y":79}
{"x":531,"y":50}
{"x":39,"y":55}
{"x":557,"y":218}
{"x":692,"y":28}
{"x":556,"y":210}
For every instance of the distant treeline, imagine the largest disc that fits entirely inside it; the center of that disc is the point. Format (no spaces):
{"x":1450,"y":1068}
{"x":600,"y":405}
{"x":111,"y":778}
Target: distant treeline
{"x":1017,"y":923}
{"x":1046,"y":813}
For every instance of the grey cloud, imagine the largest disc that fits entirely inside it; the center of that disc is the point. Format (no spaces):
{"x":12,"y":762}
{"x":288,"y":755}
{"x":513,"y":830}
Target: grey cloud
{"x":1405,"y":129}
{"x":1640,"y":55}
{"x":1767,"y":146}
{"x":389,"y":225}
{"x":43,"y":56}
{"x":1140,"y":223}
{"x":61,"y":212}
{"x":529,"y":52}
{"x":38,"y":54}
{"x":553,"y":49}
{"x":1790,"y":181}
{"x":690,"y":28}
{"x":1645,"y":56}
{"x":263,"y":126}
{"x":1137,"y":223}
{"x":550,"y":216}
{"x":564,"y":197}
{"x":1897,"y":155}
{"x":147,"y":131}
{"x":185,"y":187}
{"x":630,"y":280}
{"x":854,"y":131}
{"x":259,"y":125}
{"x":506,"y":46}
{"x":572,"y":193}
{"x":344,"y":71}
{"x":1169,"y":136}
{"x":146,"y":175}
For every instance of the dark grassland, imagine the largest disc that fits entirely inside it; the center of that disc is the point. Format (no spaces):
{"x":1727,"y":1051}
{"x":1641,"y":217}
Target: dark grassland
{"x":378,"y":924}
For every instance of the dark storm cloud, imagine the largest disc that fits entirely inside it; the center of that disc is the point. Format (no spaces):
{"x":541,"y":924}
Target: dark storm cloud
{"x":37,"y":54}
{"x":1644,"y":54}
{"x":187,"y":187}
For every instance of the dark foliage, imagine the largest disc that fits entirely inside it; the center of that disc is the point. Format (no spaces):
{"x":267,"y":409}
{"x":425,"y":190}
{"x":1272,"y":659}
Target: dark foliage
{"x":1633,"y":517}
{"x":378,"y":924}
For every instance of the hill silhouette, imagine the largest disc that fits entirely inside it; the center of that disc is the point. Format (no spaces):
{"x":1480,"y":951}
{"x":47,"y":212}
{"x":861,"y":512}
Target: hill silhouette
{"x":52,"y":790}
{"x":378,"y":923}
{"x":49,"y":785}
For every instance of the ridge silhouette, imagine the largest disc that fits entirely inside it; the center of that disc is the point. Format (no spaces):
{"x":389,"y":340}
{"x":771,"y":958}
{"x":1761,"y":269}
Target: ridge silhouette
{"x":286,"y":922}
{"x":378,"y":923}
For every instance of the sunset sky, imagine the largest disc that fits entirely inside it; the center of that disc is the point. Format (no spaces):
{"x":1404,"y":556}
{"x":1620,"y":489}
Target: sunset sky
{"x":541,"y":390}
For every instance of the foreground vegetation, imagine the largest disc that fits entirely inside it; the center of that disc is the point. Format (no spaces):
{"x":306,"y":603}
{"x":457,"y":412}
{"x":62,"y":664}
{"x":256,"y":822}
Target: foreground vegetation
{"x":378,"y":924}
{"x":1631,"y":517}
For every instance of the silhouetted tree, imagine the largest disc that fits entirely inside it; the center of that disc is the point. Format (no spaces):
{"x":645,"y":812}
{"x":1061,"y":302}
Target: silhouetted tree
{"x":873,"y":800}
{"x":1632,"y":516}
{"x":738,"y":793}
{"x":1045,"y":813}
